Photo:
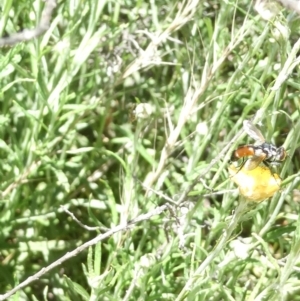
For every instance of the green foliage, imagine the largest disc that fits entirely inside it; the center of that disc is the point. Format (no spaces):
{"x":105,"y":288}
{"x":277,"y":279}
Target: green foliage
{"x":121,"y":105}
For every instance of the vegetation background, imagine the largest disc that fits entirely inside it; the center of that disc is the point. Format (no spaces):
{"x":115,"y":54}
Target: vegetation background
{"x":123,"y":106}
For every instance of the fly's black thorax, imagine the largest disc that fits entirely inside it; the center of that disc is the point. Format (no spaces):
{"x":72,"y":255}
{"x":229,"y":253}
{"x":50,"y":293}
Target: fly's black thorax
{"x":273,"y":154}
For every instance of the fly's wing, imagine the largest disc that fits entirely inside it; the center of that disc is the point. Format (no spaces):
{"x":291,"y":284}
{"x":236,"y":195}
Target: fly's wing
{"x":253,"y":132}
{"x":255,"y":160}
{"x":252,"y":163}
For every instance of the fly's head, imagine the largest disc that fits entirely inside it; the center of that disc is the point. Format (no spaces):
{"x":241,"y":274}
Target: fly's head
{"x":280,"y":154}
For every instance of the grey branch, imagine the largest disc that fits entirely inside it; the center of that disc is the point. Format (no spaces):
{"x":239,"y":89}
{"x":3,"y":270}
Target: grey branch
{"x":28,"y":34}
{"x":97,"y":239}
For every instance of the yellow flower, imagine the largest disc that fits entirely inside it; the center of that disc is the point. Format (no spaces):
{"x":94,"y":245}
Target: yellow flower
{"x":256,"y":184}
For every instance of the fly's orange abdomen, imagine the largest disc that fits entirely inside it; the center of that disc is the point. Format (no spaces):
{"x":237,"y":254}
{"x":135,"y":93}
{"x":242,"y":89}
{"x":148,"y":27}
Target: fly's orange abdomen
{"x":242,"y":151}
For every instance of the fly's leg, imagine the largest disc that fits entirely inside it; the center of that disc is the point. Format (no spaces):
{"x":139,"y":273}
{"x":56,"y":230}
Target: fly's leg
{"x":266,"y":163}
{"x":240,"y":167}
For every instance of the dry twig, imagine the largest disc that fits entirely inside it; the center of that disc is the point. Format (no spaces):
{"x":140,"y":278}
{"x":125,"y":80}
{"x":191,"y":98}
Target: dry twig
{"x":29,"y":34}
{"x":292,"y":5}
{"x":92,"y":242}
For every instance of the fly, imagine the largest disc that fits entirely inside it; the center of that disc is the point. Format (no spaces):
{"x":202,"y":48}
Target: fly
{"x":260,"y":152}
